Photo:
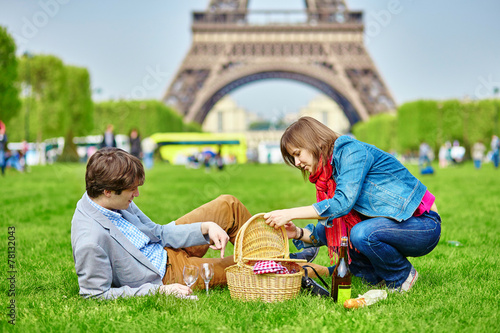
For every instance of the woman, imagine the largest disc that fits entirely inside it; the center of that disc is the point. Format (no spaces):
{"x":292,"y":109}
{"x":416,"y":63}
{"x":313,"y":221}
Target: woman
{"x":135,"y":143}
{"x":365,"y":193}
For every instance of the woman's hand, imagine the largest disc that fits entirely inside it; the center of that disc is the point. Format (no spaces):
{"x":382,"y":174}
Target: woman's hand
{"x":291,"y":230}
{"x":278,"y":218}
{"x":290,"y":227}
{"x":217,"y":235}
{"x":175,"y":289}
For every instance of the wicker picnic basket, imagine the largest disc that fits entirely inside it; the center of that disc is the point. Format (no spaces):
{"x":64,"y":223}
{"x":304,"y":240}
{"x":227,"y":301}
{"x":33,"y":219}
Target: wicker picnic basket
{"x":257,"y":241}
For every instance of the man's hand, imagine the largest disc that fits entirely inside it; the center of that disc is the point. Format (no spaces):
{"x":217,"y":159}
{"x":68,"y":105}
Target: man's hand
{"x":217,"y":235}
{"x":176,"y":289}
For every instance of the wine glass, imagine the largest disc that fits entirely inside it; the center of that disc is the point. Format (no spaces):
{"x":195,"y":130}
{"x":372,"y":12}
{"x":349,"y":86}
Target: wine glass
{"x":190,"y":274}
{"x":207,"y":272}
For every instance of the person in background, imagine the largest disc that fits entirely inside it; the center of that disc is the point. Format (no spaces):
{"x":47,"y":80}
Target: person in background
{"x":364,"y":193}
{"x":457,"y":152}
{"x":3,"y":147}
{"x":108,"y":139}
{"x":478,"y":150}
{"x":24,"y":153}
{"x":495,"y":147}
{"x":219,"y":161}
{"x":207,"y":161}
{"x":135,"y":143}
{"x":148,"y":148}
{"x":443,"y":156}
{"x":448,"y":152}
{"x":423,"y":155}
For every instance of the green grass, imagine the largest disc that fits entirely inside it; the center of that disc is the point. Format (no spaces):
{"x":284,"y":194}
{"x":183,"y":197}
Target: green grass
{"x":457,"y":290}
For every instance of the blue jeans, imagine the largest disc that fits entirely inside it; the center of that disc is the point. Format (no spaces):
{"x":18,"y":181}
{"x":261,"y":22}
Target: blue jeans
{"x":424,"y":161}
{"x":3,"y":162}
{"x":495,"y":158}
{"x":148,"y":160}
{"x":385,"y":244}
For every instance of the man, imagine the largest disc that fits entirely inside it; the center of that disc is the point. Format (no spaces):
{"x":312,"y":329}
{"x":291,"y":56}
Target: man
{"x":108,"y":138}
{"x":119,"y":251}
{"x":495,"y":147}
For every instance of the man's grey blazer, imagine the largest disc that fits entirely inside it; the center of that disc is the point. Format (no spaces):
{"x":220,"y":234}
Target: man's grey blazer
{"x":108,"y":265}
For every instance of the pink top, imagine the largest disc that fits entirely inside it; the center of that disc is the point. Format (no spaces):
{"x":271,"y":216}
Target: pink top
{"x":425,"y":204}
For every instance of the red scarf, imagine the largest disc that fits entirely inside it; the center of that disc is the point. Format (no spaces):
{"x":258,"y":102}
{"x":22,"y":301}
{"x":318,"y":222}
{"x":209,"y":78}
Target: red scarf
{"x":325,"y":189}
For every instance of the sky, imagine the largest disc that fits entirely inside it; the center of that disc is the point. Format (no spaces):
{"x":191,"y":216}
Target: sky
{"x":424,"y":49}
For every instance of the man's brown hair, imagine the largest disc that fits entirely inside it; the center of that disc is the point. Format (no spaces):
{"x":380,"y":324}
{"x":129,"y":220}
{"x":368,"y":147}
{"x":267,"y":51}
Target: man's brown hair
{"x":112,"y":169}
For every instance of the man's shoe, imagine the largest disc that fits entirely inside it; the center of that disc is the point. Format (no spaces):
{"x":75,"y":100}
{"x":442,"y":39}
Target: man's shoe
{"x":308,"y":254}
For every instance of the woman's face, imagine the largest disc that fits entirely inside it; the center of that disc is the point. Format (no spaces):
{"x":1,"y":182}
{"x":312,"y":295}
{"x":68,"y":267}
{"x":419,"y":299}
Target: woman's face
{"x":303,"y":158}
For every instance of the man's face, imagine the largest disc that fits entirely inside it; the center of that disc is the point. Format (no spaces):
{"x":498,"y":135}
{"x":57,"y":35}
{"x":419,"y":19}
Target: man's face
{"x":122,"y":201}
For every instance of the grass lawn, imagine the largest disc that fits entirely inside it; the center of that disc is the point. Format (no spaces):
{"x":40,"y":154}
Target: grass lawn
{"x":457,"y":289}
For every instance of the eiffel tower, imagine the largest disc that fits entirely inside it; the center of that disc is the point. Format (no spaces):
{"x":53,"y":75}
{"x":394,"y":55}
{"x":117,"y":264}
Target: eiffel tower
{"x":321,"y":46}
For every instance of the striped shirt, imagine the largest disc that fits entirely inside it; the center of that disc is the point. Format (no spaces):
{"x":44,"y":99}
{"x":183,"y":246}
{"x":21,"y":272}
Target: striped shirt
{"x":153,"y":251}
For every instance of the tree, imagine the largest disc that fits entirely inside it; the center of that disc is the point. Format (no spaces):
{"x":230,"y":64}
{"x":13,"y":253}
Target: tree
{"x":46,"y":76}
{"x":78,"y":116}
{"x":148,"y":116}
{"x":9,"y":92}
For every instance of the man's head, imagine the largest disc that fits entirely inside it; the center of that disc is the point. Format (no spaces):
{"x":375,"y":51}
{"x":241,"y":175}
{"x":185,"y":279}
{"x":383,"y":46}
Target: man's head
{"x":112,"y":170}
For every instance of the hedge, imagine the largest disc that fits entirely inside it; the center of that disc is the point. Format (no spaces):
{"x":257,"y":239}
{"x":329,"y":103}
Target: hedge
{"x":434,"y":122}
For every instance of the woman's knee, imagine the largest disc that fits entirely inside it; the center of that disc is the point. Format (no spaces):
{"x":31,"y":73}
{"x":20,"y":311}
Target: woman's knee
{"x":358,"y":236}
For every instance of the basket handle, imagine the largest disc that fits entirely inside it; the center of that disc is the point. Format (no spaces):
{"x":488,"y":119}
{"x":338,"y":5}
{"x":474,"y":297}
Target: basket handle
{"x":238,"y":250}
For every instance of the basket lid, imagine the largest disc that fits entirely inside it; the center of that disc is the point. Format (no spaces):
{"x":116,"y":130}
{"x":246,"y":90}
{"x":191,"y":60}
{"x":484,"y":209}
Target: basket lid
{"x":256,"y":239}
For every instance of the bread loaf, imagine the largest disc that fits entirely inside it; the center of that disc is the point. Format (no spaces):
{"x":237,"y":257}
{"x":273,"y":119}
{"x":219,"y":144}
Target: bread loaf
{"x":354,"y":303}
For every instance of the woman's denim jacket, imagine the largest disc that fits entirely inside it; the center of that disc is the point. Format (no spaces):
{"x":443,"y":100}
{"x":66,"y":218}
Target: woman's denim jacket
{"x":370,"y":181}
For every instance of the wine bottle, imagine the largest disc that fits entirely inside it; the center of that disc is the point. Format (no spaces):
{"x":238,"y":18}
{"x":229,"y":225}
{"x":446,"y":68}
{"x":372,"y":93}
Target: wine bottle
{"x":341,"y":277}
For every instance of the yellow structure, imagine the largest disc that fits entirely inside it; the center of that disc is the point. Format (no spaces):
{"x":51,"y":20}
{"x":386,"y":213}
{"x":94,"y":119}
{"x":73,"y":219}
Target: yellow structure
{"x":178,"y":147}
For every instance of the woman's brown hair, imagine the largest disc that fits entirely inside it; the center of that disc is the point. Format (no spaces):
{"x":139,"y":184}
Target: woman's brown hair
{"x":308,"y":133}
{"x":112,"y":169}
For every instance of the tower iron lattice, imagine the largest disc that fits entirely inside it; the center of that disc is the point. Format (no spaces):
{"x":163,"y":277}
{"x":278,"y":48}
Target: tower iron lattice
{"x":321,"y":46}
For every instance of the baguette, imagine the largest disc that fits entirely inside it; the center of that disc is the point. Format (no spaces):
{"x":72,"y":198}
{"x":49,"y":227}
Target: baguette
{"x":368,"y":298}
{"x":355,"y":303}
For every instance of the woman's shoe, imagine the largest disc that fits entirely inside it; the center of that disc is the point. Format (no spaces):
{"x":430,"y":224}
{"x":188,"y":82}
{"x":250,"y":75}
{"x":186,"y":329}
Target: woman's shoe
{"x":309,"y":254}
{"x":408,"y":284}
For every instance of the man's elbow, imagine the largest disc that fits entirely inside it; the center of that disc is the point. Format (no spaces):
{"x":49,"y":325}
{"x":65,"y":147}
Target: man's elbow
{"x":93,"y":294}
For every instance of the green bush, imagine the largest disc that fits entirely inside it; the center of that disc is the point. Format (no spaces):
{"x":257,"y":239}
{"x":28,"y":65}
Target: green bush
{"x":416,"y":122}
{"x":452,"y":120}
{"x":433,"y":122}
{"x":379,"y":131}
